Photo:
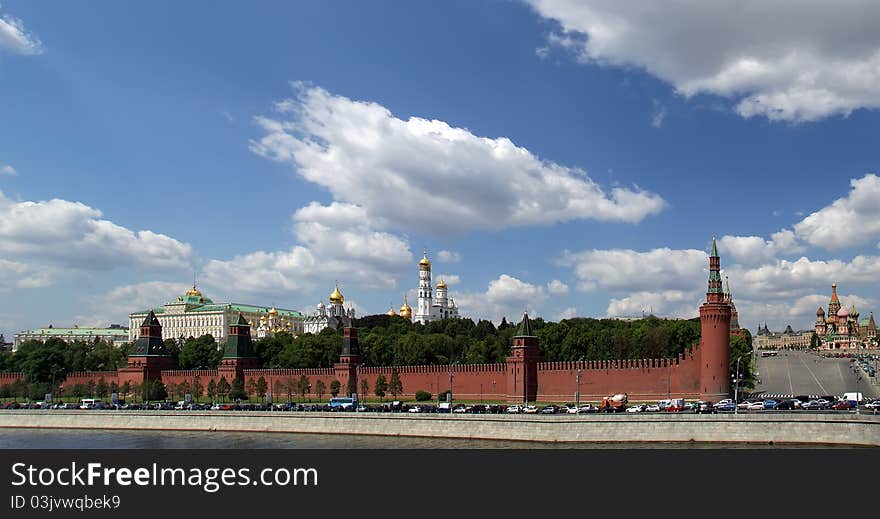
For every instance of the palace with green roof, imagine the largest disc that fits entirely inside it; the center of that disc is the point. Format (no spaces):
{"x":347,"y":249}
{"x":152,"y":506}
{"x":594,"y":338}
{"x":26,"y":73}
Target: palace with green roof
{"x":194,"y":315}
{"x":115,"y":335}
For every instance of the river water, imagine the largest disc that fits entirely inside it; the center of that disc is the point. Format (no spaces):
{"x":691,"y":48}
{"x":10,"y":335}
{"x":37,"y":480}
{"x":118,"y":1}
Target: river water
{"x":87,"y":439}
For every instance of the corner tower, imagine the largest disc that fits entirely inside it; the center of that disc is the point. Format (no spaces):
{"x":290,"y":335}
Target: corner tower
{"x":715,"y":316}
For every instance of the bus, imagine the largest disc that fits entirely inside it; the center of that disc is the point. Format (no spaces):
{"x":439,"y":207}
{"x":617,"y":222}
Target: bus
{"x":343,"y":402}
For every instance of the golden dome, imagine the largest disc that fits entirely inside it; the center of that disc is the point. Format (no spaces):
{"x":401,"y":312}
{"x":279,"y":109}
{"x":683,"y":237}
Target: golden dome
{"x":263,"y":318}
{"x":194,"y":291}
{"x":336,"y":296}
{"x":406,"y":310}
{"x":441,"y":284}
{"x":391,"y":312}
{"x":273,"y":311}
{"x":425,"y":263}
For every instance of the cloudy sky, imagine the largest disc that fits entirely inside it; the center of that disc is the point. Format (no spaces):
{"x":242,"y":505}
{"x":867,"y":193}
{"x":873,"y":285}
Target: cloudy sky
{"x":572,"y":158}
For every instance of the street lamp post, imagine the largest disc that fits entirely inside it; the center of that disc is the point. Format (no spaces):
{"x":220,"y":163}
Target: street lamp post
{"x":736,"y":387}
{"x":577,"y":391}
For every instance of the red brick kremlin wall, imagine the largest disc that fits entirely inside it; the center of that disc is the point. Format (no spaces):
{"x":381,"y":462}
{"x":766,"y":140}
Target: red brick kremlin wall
{"x":644,"y":379}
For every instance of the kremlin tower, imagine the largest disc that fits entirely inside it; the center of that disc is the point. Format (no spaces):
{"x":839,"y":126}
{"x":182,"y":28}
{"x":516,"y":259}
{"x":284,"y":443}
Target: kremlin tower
{"x":715,"y":315}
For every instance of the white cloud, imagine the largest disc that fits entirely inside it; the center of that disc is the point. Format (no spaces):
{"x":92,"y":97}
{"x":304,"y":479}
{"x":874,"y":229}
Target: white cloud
{"x":785,"y":279}
{"x":794,"y":61}
{"x":8,"y":170}
{"x":848,"y":221}
{"x":14,"y":274}
{"x":16,"y":39}
{"x":506,"y":296}
{"x":447,"y":256}
{"x":114,"y":306}
{"x":754,"y":250}
{"x":659,"y":115}
{"x":623,"y":270}
{"x":557,"y":288}
{"x":336,"y":243}
{"x":450,"y":279}
{"x":445,"y":179}
{"x":73,"y":235}
{"x":568,"y":313}
{"x":669,"y":303}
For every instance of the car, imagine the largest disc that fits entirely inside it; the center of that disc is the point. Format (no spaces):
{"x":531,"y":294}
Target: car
{"x":638,"y":408}
{"x":415,"y":409}
{"x":549,"y":409}
{"x":770,"y":404}
{"x":842,"y":405}
{"x":812,"y":405}
{"x":786,"y":405}
{"x":513,"y":409}
{"x":725,"y":408}
{"x":531,"y":409}
{"x":704,"y":407}
{"x":873,"y":405}
{"x":588,"y":408}
{"x":724,"y":401}
{"x":570,"y":409}
{"x":756,"y":406}
{"x":460,"y":409}
{"x":652,"y":408}
{"x":745,"y":404}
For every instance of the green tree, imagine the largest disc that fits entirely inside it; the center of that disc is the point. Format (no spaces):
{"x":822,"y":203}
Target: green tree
{"x":365,"y":386}
{"x":262,"y":386}
{"x":223,"y":388}
{"x":183,"y":388}
{"x":102,"y":388}
{"x":201,"y":353}
{"x":251,"y":387}
{"x":395,"y":386}
{"x":236,"y":392}
{"x":320,"y":389}
{"x":126,"y":388}
{"x":381,"y":387}
{"x":212,"y":389}
{"x":198,"y":389}
{"x":334,"y":388}
{"x":303,"y":386}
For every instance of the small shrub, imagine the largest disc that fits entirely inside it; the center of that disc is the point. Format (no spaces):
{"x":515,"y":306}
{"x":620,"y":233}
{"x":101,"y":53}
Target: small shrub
{"x":422,"y":396}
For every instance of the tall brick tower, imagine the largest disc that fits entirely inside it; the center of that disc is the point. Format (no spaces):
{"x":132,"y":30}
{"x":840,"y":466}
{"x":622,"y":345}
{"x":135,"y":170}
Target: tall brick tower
{"x":239,"y":353}
{"x":148,"y":356}
{"x":714,"y":335}
{"x":346,"y":368}
{"x":522,"y":364}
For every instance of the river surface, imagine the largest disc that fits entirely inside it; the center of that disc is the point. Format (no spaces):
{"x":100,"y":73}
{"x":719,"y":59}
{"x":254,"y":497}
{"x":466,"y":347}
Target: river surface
{"x":84,"y":439}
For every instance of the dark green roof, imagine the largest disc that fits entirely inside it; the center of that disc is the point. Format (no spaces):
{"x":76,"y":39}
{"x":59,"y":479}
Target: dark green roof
{"x":525,"y":327}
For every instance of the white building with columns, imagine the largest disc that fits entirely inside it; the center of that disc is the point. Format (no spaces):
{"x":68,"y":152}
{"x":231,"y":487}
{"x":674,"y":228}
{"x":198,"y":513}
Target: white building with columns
{"x":194,"y":315}
{"x":429,"y":308}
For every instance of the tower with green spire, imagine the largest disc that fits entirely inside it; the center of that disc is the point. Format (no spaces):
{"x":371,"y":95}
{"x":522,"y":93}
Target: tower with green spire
{"x":239,"y":353}
{"x":714,"y":349}
{"x":522,"y":364}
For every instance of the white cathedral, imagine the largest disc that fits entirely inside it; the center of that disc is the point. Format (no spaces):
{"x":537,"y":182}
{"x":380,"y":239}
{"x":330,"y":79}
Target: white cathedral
{"x":329,"y":316}
{"x":428,"y":310}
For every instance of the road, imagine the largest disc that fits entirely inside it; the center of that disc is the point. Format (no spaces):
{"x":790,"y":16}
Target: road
{"x":803,"y":373}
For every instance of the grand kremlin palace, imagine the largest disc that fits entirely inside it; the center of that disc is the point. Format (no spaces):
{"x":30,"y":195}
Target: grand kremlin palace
{"x":194,"y":315}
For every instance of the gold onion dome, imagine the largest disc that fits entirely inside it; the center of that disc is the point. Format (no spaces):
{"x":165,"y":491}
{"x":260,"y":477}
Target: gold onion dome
{"x":441,"y":284}
{"x":194,"y":291}
{"x":336,"y":296}
{"x":391,"y":312}
{"x":273,"y":311}
{"x":263,"y":318}
{"x":425,"y":262}
{"x":405,"y":310}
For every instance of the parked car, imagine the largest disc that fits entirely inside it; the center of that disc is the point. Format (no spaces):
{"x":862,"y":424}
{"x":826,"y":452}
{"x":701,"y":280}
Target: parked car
{"x":745,"y":404}
{"x":531,"y":409}
{"x":724,"y":401}
{"x":704,"y":407}
{"x":415,"y":409}
{"x":842,"y":405}
{"x":770,"y":404}
{"x":549,"y":409}
{"x":729,"y":407}
{"x":652,"y":408}
{"x":588,"y":408}
{"x":513,"y":409}
{"x":786,"y":405}
{"x":873,"y":405}
{"x":638,"y":408}
{"x":812,"y":405}
{"x":756,"y":406}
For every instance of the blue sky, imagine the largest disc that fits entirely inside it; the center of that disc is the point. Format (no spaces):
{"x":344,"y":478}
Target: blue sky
{"x":571,"y":158}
